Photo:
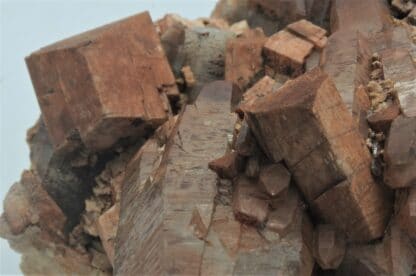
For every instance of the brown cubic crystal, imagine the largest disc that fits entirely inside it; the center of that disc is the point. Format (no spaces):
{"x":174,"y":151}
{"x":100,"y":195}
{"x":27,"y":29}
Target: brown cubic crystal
{"x":107,"y":84}
{"x":306,"y":123}
{"x":243,"y":59}
{"x":286,"y":53}
{"x":359,"y":207}
{"x":274,"y":178}
{"x":249,"y":203}
{"x":310,"y":32}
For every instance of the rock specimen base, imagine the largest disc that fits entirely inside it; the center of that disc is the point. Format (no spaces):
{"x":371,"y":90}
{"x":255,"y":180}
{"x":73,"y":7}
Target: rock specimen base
{"x":273,"y":138}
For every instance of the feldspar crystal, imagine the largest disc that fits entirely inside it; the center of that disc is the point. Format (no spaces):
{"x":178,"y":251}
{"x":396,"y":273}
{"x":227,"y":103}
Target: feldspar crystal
{"x":306,"y":123}
{"x":159,"y":200}
{"x":310,"y":32}
{"x":340,"y":55}
{"x":286,"y":53}
{"x":140,"y":166}
{"x":275,"y":178}
{"x":400,"y":153}
{"x":328,"y":246}
{"x":88,"y":84}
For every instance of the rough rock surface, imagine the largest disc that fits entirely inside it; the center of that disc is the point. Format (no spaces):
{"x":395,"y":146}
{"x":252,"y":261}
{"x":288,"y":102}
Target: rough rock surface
{"x":241,"y":249}
{"x":34,"y":224}
{"x":204,"y":51}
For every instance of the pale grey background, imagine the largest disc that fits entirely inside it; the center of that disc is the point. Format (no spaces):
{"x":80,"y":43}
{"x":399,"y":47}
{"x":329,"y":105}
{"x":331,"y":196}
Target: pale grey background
{"x":29,"y":25}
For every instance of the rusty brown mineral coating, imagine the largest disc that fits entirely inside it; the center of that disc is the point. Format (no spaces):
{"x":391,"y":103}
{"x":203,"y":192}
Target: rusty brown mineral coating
{"x":90,"y":99}
{"x":400,"y":153}
{"x":169,"y":196}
